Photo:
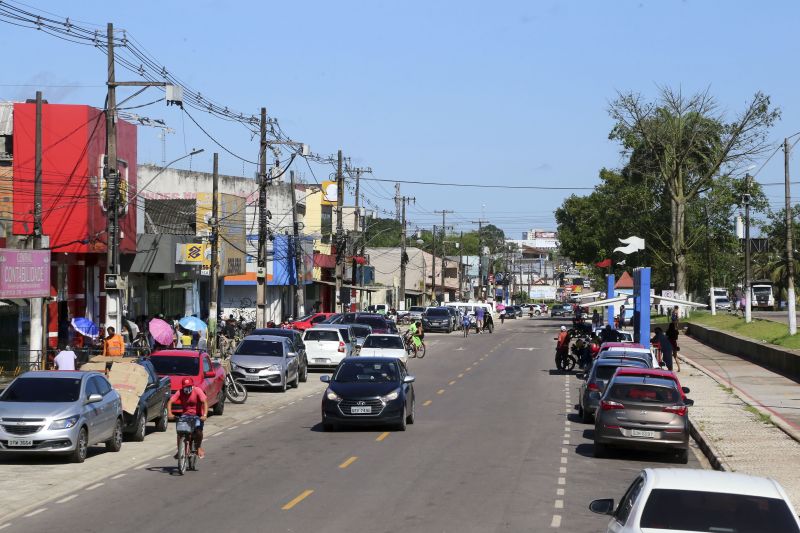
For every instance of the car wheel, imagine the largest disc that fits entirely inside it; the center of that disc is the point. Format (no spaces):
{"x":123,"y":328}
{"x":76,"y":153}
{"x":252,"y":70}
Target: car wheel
{"x":114,"y":444}
{"x":586,"y":416}
{"x":296,"y":382}
{"x":411,"y":416}
{"x":683,"y":457}
{"x":538,"y":313}
{"x":140,"y":430}
{"x":219,"y":407}
{"x":163,"y":421}
{"x":401,"y":426}
{"x":304,"y":376}
{"x":78,"y":455}
{"x":600,"y":450}
{"x":284,"y":382}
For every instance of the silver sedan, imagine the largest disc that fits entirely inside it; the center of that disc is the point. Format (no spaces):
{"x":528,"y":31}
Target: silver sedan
{"x":267,"y":361}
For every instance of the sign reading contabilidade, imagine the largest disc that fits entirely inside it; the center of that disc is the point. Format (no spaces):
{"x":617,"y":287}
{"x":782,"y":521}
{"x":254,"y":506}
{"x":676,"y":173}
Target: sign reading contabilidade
{"x":24,"y":273}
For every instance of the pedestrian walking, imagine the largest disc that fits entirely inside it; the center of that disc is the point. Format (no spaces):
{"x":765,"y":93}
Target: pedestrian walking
{"x":665,"y":346}
{"x":113,"y":345}
{"x":621,"y":317}
{"x":675,"y":316}
{"x":479,"y":311}
{"x":65,"y":360}
{"x":672,"y":335}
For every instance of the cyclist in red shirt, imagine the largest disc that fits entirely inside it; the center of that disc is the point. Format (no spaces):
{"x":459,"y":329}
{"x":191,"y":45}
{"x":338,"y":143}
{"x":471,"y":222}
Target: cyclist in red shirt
{"x":194,"y":403}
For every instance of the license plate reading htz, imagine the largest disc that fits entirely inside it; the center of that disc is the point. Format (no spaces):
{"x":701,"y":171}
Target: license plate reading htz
{"x":639,"y":433}
{"x":249,"y":377}
{"x":20,"y":442}
{"x":361,"y":409}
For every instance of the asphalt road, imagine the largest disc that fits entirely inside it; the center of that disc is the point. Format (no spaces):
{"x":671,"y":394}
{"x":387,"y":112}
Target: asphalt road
{"x":495,"y":448}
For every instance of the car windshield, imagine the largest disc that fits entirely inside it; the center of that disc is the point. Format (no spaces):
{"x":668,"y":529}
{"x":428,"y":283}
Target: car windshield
{"x":321,"y":335}
{"x":375,"y":322}
{"x":304,"y":318}
{"x":372,"y":372}
{"x":175,"y":365}
{"x":643,"y":393}
{"x":43,"y":390}
{"x":384,"y":341}
{"x":437,"y":312}
{"x":259,"y":347}
{"x":606,"y":372}
{"x":417,"y":309}
{"x":714,"y":511}
{"x":762,"y":290}
{"x":361,"y":331}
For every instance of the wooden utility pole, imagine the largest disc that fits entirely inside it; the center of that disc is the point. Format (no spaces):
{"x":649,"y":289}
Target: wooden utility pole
{"x":261,"y":264}
{"x":790,"y":296}
{"x":341,"y":244}
{"x":214,"y":222}
{"x":299,"y":292}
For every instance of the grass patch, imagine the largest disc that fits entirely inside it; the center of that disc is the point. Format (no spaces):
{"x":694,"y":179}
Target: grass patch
{"x":659,"y":319}
{"x":760,"y":330}
{"x":766,"y":419}
{"x":726,"y":389}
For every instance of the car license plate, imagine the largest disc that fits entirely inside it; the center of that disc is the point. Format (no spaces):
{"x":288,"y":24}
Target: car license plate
{"x":20,"y":442}
{"x":322,"y":360}
{"x":361,"y":410}
{"x":249,"y":377}
{"x":639,"y":433}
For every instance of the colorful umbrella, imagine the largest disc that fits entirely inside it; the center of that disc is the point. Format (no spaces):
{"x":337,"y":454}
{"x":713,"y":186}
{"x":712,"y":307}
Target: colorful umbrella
{"x":192,"y":323}
{"x":500,"y":307}
{"x":161,"y":331}
{"x":85,"y":327}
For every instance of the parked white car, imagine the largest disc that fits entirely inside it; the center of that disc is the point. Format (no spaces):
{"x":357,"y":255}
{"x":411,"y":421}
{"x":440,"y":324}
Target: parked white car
{"x":384,"y":345}
{"x":326,"y":346}
{"x":681,"y":499}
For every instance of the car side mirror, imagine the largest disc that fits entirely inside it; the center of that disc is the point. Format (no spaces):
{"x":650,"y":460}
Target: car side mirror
{"x":688,"y":402}
{"x":210,"y":374}
{"x":685,"y":390}
{"x":94,"y":398}
{"x":292,"y":354}
{"x":325,"y":379}
{"x":604,"y":506}
{"x":409,"y":379}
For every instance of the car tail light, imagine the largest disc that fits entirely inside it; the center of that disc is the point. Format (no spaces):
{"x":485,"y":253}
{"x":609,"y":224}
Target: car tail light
{"x":608,"y":405}
{"x":679,"y":410}
{"x":341,"y":347}
{"x":594,"y":387}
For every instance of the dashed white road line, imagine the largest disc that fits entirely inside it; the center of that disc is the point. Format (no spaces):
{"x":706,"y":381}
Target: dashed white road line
{"x":95,"y":486}
{"x":119,"y":476}
{"x":564,"y":450}
{"x":232,"y":428}
{"x":562,"y":469}
{"x":7,"y":524}
{"x":34,"y":513}
{"x":141,"y":466}
{"x":559,"y":492}
{"x":259,"y":417}
{"x":68,"y":498}
{"x":246,"y":422}
{"x":562,"y":481}
{"x":556,"y":522}
{"x":559,"y":504}
{"x":162,"y":457}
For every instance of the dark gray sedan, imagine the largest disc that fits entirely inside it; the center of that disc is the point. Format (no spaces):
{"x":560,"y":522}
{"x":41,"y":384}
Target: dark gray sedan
{"x":595,"y":381}
{"x":266,"y":361}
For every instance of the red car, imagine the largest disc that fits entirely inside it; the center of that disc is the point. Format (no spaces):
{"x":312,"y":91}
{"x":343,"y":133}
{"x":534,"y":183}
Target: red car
{"x":208,"y":376}
{"x":653,"y":373}
{"x":306,"y":322}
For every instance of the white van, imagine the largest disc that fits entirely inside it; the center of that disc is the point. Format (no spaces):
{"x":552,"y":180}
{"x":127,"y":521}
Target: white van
{"x":469,"y":307}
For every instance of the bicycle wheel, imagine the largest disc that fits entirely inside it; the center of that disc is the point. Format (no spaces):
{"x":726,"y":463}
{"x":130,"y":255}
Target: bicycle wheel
{"x":421,"y":351}
{"x":182,"y":456}
{"x":568,"y":363}
{"x":235,"y":391}
{"x":192,"y":460}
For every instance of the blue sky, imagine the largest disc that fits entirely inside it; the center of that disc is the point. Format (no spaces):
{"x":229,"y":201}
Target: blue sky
{"x":470,"y":92}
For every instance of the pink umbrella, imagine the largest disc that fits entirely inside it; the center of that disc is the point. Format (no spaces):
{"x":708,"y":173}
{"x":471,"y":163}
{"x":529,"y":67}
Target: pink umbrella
{"x":161,"y":331}
{"x":500,"y":307}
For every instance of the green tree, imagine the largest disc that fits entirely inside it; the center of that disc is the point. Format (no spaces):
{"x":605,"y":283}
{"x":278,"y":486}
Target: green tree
{"x":683,"y":144}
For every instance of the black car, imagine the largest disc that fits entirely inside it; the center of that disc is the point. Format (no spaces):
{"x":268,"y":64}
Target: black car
{"x":456,"y":316}
{"x":296,"y":338}
{"x":437,"y":319}
{"x":561,"y":310}
{"x":152,"y":405}
{"x":378,"y":323}
{"x":368,"y":391}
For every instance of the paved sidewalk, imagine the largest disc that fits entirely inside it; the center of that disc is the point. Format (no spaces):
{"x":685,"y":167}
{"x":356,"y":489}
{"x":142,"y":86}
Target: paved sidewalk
{"x":725,"y":390}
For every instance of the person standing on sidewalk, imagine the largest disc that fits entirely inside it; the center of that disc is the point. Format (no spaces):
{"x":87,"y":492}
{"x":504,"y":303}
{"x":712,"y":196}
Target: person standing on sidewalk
{"x":665,"y":347}
{"x":65,"y":360}
{"x":621,"y":322}
{"x":672,"y":335}
{"x":595,"y":320}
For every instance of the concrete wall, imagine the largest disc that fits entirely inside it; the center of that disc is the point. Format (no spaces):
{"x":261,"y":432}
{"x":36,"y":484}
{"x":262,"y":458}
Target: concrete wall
{"x":781,"y":360}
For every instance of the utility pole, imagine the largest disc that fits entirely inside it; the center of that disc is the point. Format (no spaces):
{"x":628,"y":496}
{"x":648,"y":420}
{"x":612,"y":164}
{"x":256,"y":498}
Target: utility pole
{"x":212,"y":315}
{"x":340,"y":238}
{"x":433,"y":267}
{"x":112,"y":187}
{"x":363,"y":255}
{"x":748,"y":303}
{"x":261,"y":264}
{"x":712,"y":299}
{"x":460,"y":270}
{"x":38,"y":306}
{"x":300,"y":275}
{"x":444,"y":213}
{"x":790,"y":296}
{"x":401,"y":292}
{"x":397,"y":200}
{"x":480,"y":223}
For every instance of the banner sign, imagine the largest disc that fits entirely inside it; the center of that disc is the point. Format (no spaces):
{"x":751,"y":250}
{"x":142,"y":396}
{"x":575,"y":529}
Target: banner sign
{"x":24,"y":273}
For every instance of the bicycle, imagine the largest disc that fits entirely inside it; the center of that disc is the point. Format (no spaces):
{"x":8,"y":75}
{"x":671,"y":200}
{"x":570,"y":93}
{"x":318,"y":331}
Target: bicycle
{"x":411,"y":349}
{"x":140,"y":345}
{"x":187,"y":453}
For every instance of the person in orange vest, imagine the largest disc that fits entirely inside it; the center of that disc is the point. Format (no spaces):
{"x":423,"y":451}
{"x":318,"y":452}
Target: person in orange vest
{"x":114,"y":345}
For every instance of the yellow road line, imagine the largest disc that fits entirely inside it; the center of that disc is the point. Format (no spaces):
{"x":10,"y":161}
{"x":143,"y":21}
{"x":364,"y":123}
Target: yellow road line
{"x":348,"y":462}
{"x":440,"y":391}
{"x":300,"y":497}
{"x":382,"y":436}
{"x":453,"y":382}
{"x":427,"y":403}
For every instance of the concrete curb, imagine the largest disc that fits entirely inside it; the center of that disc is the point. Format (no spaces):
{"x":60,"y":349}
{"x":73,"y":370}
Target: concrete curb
{"x":708,"y":449}
{"x":780,"y":424}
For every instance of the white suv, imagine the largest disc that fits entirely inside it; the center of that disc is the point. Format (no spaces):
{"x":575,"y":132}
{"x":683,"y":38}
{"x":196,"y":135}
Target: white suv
{"x":326,"y":347}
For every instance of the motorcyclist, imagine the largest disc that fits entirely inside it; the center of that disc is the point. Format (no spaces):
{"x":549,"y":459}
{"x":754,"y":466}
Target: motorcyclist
{"x":562,"y":346}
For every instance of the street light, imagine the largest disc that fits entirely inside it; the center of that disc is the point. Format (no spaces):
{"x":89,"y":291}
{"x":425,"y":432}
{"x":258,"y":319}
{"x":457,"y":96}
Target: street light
{"x":748,"y":295}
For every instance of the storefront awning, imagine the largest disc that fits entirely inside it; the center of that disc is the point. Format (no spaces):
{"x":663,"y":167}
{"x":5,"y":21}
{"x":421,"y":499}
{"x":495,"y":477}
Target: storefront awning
{"x":324,"y":260}
{"x":369,"y":288}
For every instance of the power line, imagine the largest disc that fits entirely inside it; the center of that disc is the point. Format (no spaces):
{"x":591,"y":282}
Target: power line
{"x":481,"y":186}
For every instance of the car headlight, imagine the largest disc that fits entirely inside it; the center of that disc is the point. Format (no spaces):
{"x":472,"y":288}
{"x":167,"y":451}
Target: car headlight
{"x":332,"y":395}
{"x":274,"y":368}
{"x":64,"y":423}
{"x":391,"y":396}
